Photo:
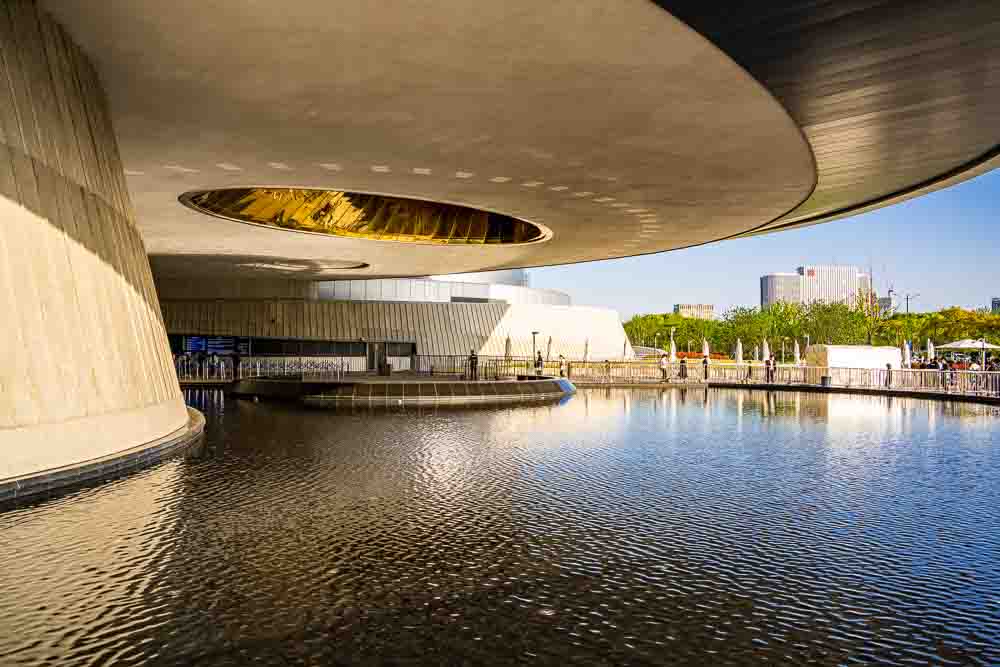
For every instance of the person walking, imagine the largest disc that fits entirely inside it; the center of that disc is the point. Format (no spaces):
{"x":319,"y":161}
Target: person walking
{"x":767,"y":370}
{"x":473,"y":365}
{"x":684,"y":368}
{"x":664,"y":365}
{"x":562,"y":366}
{"x":774,"y":368}
{"x":888,"y":375}
{"x":704,"y":363}
{"x":539,"y":364}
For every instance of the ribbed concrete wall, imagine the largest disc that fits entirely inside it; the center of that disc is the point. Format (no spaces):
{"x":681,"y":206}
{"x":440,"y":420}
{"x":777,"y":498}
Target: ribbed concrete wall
{"x":234,"y":288}
{"x":85,"y":368}
{"x":436,"y":328}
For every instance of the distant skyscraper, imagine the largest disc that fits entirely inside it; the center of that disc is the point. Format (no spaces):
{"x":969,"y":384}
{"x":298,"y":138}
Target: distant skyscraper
{"x":811,"y":283}
{"x":996,"y":305}
{"x":701,"y":311}
{"x":776,"y":287}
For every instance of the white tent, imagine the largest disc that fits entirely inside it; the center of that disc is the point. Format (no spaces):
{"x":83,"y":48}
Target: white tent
{"x":704,"y":347}
{"x":673,"y":351}
{"x":766,"y":352}
{"x":739,"y":351}
{"x":797,"y":353}
{"x":930,"y":350}
{"x":968,"y":344}
{"x":854,"y":356}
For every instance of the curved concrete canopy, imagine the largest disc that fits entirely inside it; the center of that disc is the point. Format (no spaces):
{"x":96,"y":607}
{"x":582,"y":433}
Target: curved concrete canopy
{"x":615,"y":126}
{"x":897,"y":97}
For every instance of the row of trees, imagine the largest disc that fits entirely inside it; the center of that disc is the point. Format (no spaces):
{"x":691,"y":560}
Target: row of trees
{"x":832,"y":323}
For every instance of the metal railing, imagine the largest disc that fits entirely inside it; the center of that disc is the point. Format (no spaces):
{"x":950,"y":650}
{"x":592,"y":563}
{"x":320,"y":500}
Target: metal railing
{"x":209,"y":369}
{"x":485,"y":368}
{"x":220,"y":369}
{"x":975,"y":383}
{"x":312,"y":369}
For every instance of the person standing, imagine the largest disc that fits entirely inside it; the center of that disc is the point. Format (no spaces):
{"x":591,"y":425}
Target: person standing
{"x":704,"y":363}
{"x":473,"y":365}
{"x":562,"y":366}
{"x":888,"y":375}
{"x":664,"y":364}
{"x":539,"y":364}
{"x":774,"y":368}
{"x":767,"y":370}
{"x":684,"y":368}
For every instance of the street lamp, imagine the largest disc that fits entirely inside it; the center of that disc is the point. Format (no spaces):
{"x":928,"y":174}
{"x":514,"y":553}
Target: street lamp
{"x":783,"y":349}
{"x":533,"y":350}
{"x":908,"y":297}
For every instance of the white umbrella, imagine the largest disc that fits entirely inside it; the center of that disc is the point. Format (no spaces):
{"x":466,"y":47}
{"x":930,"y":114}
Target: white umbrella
{"x":766,"y":352}
{"x":586,"y":349}
{"x":906,"y":355}
{"x":930,"y":350}
{"x":673,"y":351}
{"x":739,"y":351}
{"x":704,"y":347}
{"x":797,"y":353}
{"x":969,"y":344}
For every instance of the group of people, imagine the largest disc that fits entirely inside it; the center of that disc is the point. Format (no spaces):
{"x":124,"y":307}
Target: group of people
{"x":992,"y":365}
{"x":539,"y":363}
{"x":682,"y":371}
{"x":770,"y":369}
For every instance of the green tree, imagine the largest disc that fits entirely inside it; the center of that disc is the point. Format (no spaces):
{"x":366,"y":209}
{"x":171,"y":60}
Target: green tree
{"x":873,"y":316}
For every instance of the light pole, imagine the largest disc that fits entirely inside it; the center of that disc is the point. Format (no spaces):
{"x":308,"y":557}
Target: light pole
{"x":689,"y":347}
{"x":656,"y":339}
{"x":533,"y":350}
{"x":908,"y":297}
{"x":782,"y":349}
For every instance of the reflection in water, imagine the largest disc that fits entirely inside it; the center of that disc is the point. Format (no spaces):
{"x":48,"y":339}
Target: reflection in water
{"x":624,"y":526}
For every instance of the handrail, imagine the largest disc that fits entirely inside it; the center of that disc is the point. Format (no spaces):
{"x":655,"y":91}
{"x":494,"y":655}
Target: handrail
{"x":974,"y":383}
{"x":209,"y":369}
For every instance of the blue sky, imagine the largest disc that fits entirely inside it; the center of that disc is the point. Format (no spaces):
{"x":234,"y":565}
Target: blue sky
{"x":942,"y":246}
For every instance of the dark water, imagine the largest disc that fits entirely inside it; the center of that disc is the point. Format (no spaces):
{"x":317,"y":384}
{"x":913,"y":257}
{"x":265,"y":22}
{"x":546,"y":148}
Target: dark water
{"x":621,"y":527}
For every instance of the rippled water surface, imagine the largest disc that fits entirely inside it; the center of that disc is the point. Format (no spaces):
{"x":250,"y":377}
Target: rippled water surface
{"x":633,"y":527}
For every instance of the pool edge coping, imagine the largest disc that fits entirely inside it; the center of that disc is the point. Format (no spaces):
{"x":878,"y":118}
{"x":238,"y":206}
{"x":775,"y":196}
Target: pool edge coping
{"x":134,"y":458}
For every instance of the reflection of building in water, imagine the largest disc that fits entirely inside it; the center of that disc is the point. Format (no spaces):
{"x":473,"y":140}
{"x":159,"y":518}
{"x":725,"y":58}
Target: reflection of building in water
{"x":886,"y":413}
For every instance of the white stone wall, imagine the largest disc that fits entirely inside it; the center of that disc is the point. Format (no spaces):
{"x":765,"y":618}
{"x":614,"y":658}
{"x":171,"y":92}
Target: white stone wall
{"x":85,"y":369}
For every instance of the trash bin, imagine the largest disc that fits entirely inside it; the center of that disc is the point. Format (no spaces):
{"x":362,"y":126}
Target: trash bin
{"x":826,"y":381}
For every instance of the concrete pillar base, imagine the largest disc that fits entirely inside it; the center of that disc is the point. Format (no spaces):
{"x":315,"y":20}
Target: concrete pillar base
{"x":85,"y":369}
